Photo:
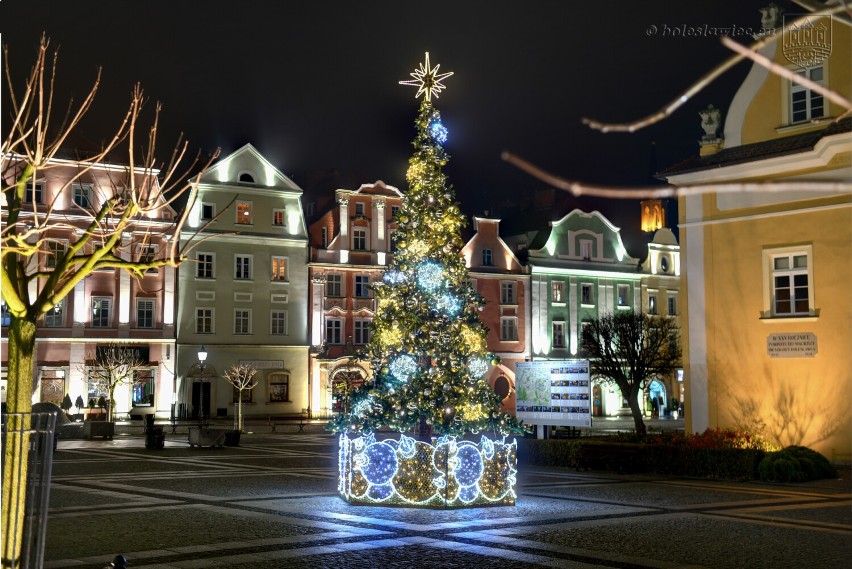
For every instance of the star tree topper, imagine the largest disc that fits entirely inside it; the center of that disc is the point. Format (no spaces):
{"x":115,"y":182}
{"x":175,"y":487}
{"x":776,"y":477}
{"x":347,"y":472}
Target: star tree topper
{"x":427,"y":80}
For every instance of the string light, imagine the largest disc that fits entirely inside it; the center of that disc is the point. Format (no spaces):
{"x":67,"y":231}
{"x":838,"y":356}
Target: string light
{"x":427,"y":80}
{"x":402,"y":367}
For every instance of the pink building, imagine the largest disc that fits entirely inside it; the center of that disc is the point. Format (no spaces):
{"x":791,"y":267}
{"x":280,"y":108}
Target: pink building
{"x":350,"y":249}
{"x":108,"y":308}
{"x":497,"y":274}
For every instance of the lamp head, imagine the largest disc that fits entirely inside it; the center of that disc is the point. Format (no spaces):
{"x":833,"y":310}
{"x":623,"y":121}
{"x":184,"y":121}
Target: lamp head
{"x":202,"y":354}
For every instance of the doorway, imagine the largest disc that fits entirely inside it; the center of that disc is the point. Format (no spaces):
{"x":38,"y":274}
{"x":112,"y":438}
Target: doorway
{"x":200,"y":399}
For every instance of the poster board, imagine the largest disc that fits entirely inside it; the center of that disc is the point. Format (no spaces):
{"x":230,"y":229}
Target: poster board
{"x":554,"y":393}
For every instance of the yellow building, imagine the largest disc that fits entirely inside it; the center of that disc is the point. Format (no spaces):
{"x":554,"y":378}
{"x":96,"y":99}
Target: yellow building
{"x":767,"y":342}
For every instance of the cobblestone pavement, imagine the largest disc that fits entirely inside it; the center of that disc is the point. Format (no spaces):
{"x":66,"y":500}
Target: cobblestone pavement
{"x":272,"y":502}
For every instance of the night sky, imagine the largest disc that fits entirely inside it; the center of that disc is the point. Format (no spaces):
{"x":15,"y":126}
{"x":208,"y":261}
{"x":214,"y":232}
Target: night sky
{"x":314,"y":84}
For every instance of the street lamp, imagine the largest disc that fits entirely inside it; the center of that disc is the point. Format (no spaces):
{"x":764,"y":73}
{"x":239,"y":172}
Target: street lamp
{"x":202,"y":358}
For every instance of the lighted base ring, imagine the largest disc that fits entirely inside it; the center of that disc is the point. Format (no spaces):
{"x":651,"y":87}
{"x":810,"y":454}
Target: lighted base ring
{"x":449,"y":473}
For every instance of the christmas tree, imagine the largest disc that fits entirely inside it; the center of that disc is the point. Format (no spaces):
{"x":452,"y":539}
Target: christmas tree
{"x":428,"y":356}
{"x":428,"y":348}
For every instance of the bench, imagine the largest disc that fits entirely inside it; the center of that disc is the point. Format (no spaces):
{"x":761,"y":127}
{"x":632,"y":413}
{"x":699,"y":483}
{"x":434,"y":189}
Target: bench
{"x":300,"y":419}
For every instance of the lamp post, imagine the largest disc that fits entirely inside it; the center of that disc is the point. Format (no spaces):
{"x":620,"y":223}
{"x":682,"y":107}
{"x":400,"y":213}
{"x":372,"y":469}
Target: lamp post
{"x":202,"y":358}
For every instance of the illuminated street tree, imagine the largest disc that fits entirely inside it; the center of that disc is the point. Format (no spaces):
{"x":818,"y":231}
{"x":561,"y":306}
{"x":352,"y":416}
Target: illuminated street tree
{"x":113,"y":366}
{"x":630,"y":349}
{"x":241,"y":377}
{"x":92,"y":238}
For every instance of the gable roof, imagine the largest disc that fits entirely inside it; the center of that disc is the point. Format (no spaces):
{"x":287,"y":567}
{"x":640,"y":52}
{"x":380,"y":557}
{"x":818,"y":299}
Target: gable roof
{"x":248,"y":159}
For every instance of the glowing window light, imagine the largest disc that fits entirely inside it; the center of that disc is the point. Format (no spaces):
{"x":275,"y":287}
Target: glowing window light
{"x":402,"y":367}
{"x":430,"y":276}
{"x":438,"y":132}
{"x":478,"y":366}
{"x":451,"y":474}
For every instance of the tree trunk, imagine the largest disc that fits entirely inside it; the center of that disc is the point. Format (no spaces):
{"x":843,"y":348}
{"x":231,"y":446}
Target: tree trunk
{"x":19,"y":397}
{"x":633,"y":400}
{"x":239,"y":417}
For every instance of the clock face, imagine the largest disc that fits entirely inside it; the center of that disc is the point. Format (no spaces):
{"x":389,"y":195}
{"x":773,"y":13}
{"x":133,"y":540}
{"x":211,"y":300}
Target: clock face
{"x":664,"y":264}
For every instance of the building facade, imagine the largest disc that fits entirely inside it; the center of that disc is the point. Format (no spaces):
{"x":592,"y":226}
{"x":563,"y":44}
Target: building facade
{"x":351,"y":247}
{"x":582,"y":272}
{"x":768,"y":273}
{"x":109,"y":308}
{"x":497,"y":274}
{"x":243,"y":294}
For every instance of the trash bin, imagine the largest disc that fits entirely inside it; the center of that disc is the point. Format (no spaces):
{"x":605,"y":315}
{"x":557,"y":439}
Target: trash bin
{"x":28,"y":440}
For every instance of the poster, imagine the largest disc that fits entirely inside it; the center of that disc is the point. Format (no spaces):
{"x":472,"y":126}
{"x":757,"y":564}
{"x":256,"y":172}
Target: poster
{"x":554,"y":393}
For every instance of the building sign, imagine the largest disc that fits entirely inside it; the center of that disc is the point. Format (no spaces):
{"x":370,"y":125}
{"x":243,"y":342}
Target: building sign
{"x":799,"y":345}
{"x":263,"y":364}
{"x":554,"y":393}
{"x":123,"y":353}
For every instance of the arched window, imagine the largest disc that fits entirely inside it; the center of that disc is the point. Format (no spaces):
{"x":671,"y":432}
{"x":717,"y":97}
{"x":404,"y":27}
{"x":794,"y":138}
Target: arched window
{"x":246,"y":178}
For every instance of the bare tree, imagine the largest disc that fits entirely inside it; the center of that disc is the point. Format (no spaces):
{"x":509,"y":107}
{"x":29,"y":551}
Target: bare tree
{"x":630,"y":349}
{"x":136,"y":193}
{"x":113,"y":366}
{"x":241,"y":377}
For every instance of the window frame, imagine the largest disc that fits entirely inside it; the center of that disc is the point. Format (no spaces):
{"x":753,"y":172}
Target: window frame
{"x":337,"y":330}
{"x":56,"y":249}
{"x":338,"y":285}
{"x":591,"y":298}
{"x":360,"y":208}
{"x":487,"y":258}
{"x":560,"y":326}
{"x":242,"y":321}
{"x":770,"y":308}
{"x":618,"y":296}
{"x":509,"y":324}
{"x":361,"y":331}
{"x":242,"y":263}
{"x":277,"y":260}
{"x":362,"y":286}
{"x":82,"y":192}
{"x":209,"y":262}
{"x":275,"y":392}
{"x":671,"y":305}
{"x":153,"y":310}
{"x":201,"y":213}
{"x":283,"y":213}
{"x":557,"y":292}
{"x":34,"y":190}
{"x":50,"y":317}
{"x":205,"y":319}
{"x":809,"y":95}
{"x":107,"y":310}
{"x":359,"y":237}
{"x":508,"y":293}
{"x":281,"y":317}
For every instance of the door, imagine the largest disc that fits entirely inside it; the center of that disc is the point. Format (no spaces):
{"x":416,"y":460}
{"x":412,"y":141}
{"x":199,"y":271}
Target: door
{"x":200,"y":399}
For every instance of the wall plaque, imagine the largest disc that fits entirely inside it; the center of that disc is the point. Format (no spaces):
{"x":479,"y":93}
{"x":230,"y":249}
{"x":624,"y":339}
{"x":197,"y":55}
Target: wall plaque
{"x":796,"y":345}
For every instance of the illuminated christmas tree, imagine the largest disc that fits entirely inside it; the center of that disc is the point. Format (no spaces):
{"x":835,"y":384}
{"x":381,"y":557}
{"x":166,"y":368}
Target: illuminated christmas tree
{"x":428,"y":355}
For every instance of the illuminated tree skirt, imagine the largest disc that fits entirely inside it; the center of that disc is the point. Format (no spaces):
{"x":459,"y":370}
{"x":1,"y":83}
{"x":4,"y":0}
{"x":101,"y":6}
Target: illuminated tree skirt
{"x":451,"y":473}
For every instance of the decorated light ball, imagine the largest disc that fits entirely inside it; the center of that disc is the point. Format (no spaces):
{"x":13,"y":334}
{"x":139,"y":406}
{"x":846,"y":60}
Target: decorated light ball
{"x":448,"y":304}
{"x":438,"y":132}
{"x":478,"y":366}
{"x":430,"y":275}
{"x":402,"y":367}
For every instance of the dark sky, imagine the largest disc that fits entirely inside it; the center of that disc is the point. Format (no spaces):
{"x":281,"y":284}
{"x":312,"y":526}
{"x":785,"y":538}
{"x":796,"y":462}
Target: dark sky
{"x":313,"y":84}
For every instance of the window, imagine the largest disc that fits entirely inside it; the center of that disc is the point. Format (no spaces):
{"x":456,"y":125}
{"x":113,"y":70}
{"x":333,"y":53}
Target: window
{"x":509,"y":329}
{"x":359,"y":239}
{"x":623,"y":293}
{"x":804,"y":103}
{"x":334,"y":331}
{"x":82,"y":195}
{"x":486,"y":258}
{"x":242,"y":267}
{"x":279,"y":322}
{"x":332,"y":285}
{"x":394,"y":211}
{"x":559,"y":334}
{"x":247,"y":395}
{"x":244,"y":213}
{"x":52,"y":385}
{"x":5,"y":315}
{"x":324,"y":237}
{"x":55,"y":317}
{"x":101,"y":312}
{"x":790,"y":284}
{"x":204,"y":265}
{"x":208,"y":211}
{"x":242,"y":321}
{"x":672,"y":306}
{"x":557,"y":291}
{"x":359,"y":209}
{"x":279,"y":387}
{"x":586,"y":294}
{"x":279,"y":269}
{"x":246,"y":178}
{"x":507,"y":293}
{"x":362,"y":331}
{"x":586,"y":249}
{"x":362,"y":286}
{"x":203,"y":320}
{"x":144,"y":312}
{"x":34,"y":193}
{"x":147,"y":254}
{"x":55,"y":251}
{"x":143,"y":387}
{"x":652,"y":304}
{"x":278,"y":217}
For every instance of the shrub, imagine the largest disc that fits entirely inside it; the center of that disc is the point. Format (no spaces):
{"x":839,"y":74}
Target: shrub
{"x":66,"y":403}
{"x":795,"y":464}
